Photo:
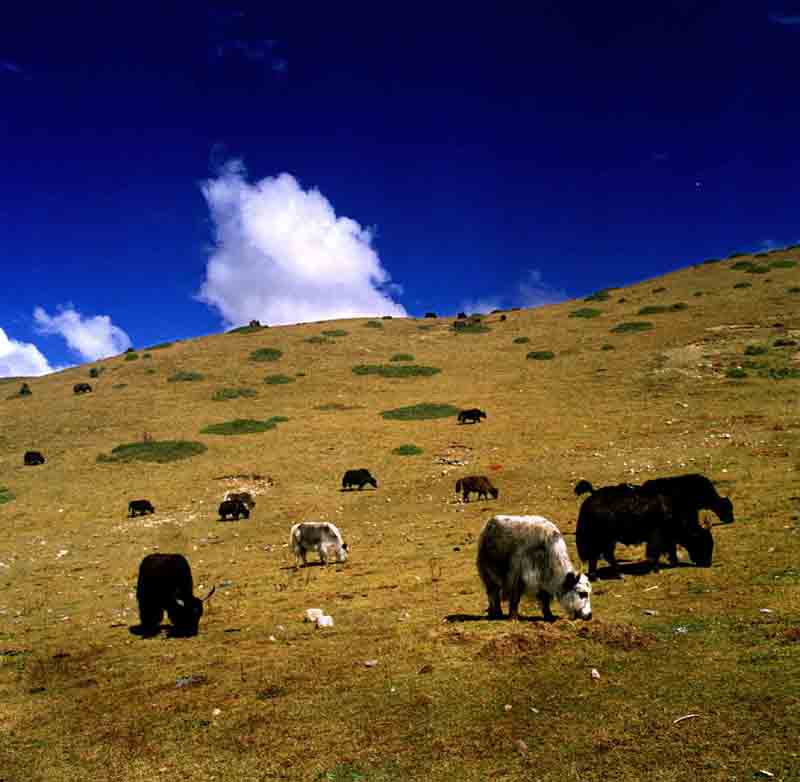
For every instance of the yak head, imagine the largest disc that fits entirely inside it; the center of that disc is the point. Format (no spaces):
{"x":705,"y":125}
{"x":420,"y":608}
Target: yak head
{"x":700,"y":546}
{"x":724,"y":510}
{"x":575,"y":596}
{"x":185,"y":612}
{"x":495,"y":493}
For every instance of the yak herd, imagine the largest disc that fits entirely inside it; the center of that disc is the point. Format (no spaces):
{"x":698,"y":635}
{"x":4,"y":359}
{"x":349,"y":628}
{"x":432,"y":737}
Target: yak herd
{"x":516,"y":554}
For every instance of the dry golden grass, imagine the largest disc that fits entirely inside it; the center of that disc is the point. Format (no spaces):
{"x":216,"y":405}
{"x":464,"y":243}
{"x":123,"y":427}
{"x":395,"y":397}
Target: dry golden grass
{"x":452,"y":696}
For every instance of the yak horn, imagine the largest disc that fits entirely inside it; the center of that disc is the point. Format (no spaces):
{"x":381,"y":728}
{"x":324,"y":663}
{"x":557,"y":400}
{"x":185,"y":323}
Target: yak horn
{"x":213,"y":589}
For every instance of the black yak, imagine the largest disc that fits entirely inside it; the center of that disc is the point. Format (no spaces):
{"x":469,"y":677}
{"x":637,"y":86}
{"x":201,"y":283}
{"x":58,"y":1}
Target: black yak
{"x":242,"y":496}
{"x":81,"y":388}
{"x":518,"y":554}
{"x":473,"y":414}
{"x":631,"y":515}
{"x":165,"y":584}
{"x":694,"y":492}
{"x":359,"y":478}
{"x":476,"y":483}
{"x":233,"y":508}
{"x":140,"y":507}
{"x":32,"y":458}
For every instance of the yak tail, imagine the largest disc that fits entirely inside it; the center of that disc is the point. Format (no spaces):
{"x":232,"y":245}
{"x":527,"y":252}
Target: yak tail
{"x":583,"y":487}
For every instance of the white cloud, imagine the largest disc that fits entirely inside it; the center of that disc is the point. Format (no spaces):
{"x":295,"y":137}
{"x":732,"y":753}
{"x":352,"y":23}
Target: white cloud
{"x":533,"y":291}
{"x":482,"y":305}
{"x":21,"y":358}
{"x":283,"y":256}
{"x":91,"y":338}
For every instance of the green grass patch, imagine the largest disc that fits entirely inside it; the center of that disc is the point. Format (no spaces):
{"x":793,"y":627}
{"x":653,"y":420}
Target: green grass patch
{"x":184,"y":377}
{"x":758,"y":268}
{"x":131,"y":356}
{"x":278,"y":380}
{"x":521,"y":340}
{"x":335,"y":333}
{"x":541,"y":355}
{"x":6,"y":495}
{"x":316,"y":340}
{"x":783,"y":373}
{"x":755,"y":350}
{"x":266,"y":354}
{"x":603,"y":295}
{"x":586,"y":312}
{"x":464,"y":327}
{"x":421,"y":412}
{"x":784,"y":263}
{"x":402,"y":357}
{"x":154,"y":451}
{"x":632,"y":327}
{"x":741,"y":266}
{"x":652,"y":309}
{"x":736,"y":373}
{"x":224,"y":394}
{"x":407,"y":450}
{"x":243,"y":426}
{"x":373,"y":324}
{"x":246,"y":330}
{"x":160,"y":346}
{"x":405,"y":370}
{"x":743,"y":285}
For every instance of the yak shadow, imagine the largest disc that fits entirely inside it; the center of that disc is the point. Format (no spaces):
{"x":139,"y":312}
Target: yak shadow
{"x":350,"y":489}
{"x":452,"y":618}
{"x":166,"y":630}
{"x":635,"y":568}
{"x":304,"y":565}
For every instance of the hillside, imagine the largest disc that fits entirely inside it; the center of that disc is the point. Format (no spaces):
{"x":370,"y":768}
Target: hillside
{"x":261,"y":695}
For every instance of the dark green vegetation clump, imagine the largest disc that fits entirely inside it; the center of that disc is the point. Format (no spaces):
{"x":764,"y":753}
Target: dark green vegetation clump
{"x":541,"y":355}
{"x":243,"y":426}
{"x":405,"y":370}
{"x":521,"y":340}
{"x":374,"y":324}
{"x":465,"y":327}
{"x":316,"y":340}
{"x":154,"y":451}
{"x":335,"y":333}
{"x":131,"y":356}
{"x":737,"y":373}
{"x":223,"y":394}
{"x":755,"y":350}
{"x":420,"y":412}
{"x":743,"y":285}
{"x":603,"y":295}
{"x":246,"y":330}
{"x":758,"y":268}
{"x":161,"y":346}
{"x":407,"y":450}
{"x":277,"y":380}
{"x":632,"y":327}
{"x":783,"y":373}
{"x":585,"y":312}
{"x":741,"y":266}
{"x":402,"y":357}
{"x":96,"y":371}
{"x":266,"y":354}
{"x":185,"y":377}
{"x":794,"y":289}
{"x":652,"y":309}
{"x":6,"y":495}
{"x":784,"y":263}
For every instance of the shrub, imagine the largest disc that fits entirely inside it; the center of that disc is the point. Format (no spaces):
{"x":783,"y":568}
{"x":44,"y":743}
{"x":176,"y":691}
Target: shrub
{"x":407,"y":450}
{"x":402,"y":357}
{"x":161,"y":346}
{"x":243,"y":426}
{"x":374,"y":324}
{"x":585,"y":312}
{"x":632,"y":327}
{"x":223,"y":394}
{"x":743,"y":285}
{"x":405,"y":370}
{"x":6,"y":495}
{"x":96,"y":371}
{"x":755,"y":350}
{"x":603,"y":295}
{"x":474,"y":327}
{"x":758,"y":269}
{"x":421,"y":412}
{"x":131,"y":356}
{"x":335,"y":333}
{"x":154,"y":451}
{"x":740,"y":266}
{"x":246,"y":329}
{"x":184,"y":377}
{"x":784,"y":373}
{"x":320,"y":341}
{"x":737,"y":373}
{"x":653,"y":309}
{"x":541,"y":355}
{"x":266,"y":354}
{"x":521,"y":340}
{"x":277,"y":380}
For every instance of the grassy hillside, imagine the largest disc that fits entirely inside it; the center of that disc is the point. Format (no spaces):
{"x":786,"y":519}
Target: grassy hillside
{"x":709,"y":383}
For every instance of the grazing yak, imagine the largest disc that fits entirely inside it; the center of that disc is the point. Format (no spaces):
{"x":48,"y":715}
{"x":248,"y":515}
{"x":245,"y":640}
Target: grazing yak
{"x":359,"y":478}
{"x":476,"y":483}
{"x":165,"y":584}
{"x":32,"y":458}
{"x":518,"y":554}
{"x":140,"y":507}
{"x":695,"y":492}
{"x":81,"y":388}
{"x":473,"y":414}
{"x":649,"y":514}
{"x":241,"y":496}
{"x":431,"y":315}
{"x":320,"y":536}
{"x":233,"y":508}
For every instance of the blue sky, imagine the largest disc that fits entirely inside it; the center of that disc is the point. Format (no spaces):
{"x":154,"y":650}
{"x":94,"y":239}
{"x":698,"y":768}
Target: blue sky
{"x":166,"y":174}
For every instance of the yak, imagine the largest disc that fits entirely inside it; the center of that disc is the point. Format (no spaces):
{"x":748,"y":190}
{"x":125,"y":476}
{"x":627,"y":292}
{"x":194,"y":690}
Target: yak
{"x":473,"y":414}
{"x":81,"y":388}
{"x":359,"y":478}
{"x":241,"y":496}
{"x":165,"y":584}
{"x":233,"y":508}
{"x":140,"y":507}
{"x":32,"y":458}
{"x":518,"y":554}
{"x":476,"y":483}
{"x":320,"y":536}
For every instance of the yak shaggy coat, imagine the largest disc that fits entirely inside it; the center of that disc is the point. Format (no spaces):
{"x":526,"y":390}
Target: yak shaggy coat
{"x":518,"y":554}
{"x":320,"y":536}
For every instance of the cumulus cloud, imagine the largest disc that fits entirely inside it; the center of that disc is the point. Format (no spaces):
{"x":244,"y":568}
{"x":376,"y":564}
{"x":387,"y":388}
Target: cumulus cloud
{"x":282,"y":255}
{"x":533,"y":291}
{"x":482,"y":305}
{"x":90,"y":337}
{"x":21,"y":358}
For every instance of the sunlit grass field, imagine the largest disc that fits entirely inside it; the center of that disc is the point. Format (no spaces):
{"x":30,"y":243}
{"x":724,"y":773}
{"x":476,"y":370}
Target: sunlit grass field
{"x":412,"y":682}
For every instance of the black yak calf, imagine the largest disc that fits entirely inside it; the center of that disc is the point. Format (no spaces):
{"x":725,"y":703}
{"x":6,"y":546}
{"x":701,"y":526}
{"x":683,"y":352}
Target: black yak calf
{"x":140,"y":507}
{"x":476,"y":483}
{"x":358,"y":478}
{"x":81,"y":388}
{"x":632,"y":515}
{"x":32,"y":458}
{"x":473,"y":414}
{"x":233,"y":508}
{"x":165,"y":584}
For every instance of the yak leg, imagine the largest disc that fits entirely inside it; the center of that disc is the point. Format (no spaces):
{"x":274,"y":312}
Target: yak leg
{"x":495,"y":608}
{"x":150,"y":618}
{"x":655,"y":546}
{"x":544,"y":601}
{"x":466,"y":496}
{"x":514,"y":596}
{"x":593,"y":570}
{"x":672,"y":553}
{"x":612,"y":560}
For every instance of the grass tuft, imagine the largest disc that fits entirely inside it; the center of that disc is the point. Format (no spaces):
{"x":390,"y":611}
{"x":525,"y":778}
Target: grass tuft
{"x":541,"y":355}
{"x":159,"y":451}
{"x":266,"y":354}
{"x":784,"y":373}
{"x":402,"y":357}
{"x":755,"y":350}
{"x":243,"y":426}
{"x":736,"y":373}
{"x":185,"y":377}
{"x":407,"y":450}
{"x":317,"y":340}
{"x":784,"y":263}
{"x":743,"y":285}
{"x":224,"y":394}
{"x":421,"y":412}
{"x":6,"y":495}
{"x":652,"y":309}
{"x":758,"y":268}
{"x":632,"y":327}
{"x":521,"y":340}
{"x":131,"y":356}
{"x":464,"y":327}
{"x":373,"y":324}
{"x":603,"y":295}
{"x":335,"y":333}
{"x":586,"y":312}
{"x":277,"y":380}
{"x":406,"y":370}
{"x":607,"y":347}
